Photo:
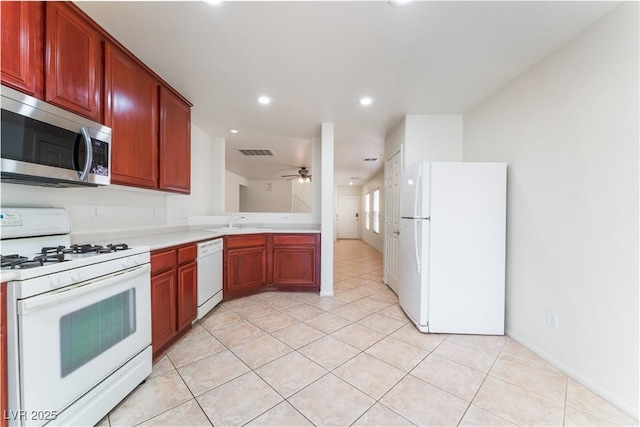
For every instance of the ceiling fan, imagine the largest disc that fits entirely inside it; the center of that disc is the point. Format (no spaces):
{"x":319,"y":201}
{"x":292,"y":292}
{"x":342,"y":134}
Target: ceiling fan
{"x":303,"y":175}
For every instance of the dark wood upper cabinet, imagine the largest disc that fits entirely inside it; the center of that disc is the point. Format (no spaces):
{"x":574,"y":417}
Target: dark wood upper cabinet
{"x":54,"y":52}
{"x":22,"y":47}
{"x":73,"y":58}
{"x":131,"y":111}
{"x":175,"y":142}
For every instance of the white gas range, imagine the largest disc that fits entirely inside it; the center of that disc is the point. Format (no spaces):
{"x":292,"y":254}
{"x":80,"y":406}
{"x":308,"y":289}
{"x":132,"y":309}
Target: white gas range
{"x":78,"y":320}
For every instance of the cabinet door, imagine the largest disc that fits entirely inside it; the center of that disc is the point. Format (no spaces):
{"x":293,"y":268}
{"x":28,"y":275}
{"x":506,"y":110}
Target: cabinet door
{"x":175,"y":143}
{"x":131,"y":111}
{"x":187,"y":294}
{"x":246,"y":271}
{"x":22,"y":51}
{"x":296,"y":261}
{"x":295,"y":266}
{"x":73,"y":61}
{"x":163,"y":308}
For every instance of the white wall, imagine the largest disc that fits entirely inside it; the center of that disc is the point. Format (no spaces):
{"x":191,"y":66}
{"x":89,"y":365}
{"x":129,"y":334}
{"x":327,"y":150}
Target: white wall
{"x":126,"y":207}
{"x":435,"y":138}
{"x":232,"y":183}
{"x":568,"y":129}
{"x":375,"y":240}
{"x":302,"y":191}
{"x":266,"y":196}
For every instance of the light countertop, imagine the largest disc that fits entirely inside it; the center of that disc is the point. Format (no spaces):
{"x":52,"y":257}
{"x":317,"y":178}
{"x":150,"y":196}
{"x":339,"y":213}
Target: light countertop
{"x":165,"y":240}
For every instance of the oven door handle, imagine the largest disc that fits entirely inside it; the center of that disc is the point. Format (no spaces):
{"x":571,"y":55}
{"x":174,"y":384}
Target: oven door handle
{"x":39,"y":302}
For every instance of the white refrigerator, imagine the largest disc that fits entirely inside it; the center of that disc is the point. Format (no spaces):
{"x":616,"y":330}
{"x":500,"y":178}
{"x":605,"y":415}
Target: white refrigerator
{"x":452,"y":247}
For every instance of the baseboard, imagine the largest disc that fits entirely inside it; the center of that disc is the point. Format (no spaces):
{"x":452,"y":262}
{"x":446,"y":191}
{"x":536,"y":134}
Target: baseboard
{"x":597,"y":389}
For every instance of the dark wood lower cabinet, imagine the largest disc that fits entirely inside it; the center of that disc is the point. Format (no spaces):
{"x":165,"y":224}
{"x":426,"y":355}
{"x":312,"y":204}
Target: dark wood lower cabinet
{"x":246,"y":270}
{"x":174,"y":295}
{"x":187,"y":294}
{"x":163,"y":302}
{"x":265,"y":262}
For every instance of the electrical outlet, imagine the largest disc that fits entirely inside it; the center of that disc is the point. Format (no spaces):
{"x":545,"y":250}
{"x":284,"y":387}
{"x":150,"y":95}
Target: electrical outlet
{"x":95,"y":211}
{"x":184,"y":213}
{"x":552,"y":319}
{"x":153,"y":212}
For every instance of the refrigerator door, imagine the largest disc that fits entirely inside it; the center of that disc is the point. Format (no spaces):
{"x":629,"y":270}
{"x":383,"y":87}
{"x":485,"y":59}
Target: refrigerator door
{"x":414,"y":191}
{"x":413,"y":270}
{"x":467,"y":248}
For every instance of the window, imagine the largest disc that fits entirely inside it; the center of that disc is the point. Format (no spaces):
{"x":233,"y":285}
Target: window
{"x":376,"y":211}
{"x":367,"y":211}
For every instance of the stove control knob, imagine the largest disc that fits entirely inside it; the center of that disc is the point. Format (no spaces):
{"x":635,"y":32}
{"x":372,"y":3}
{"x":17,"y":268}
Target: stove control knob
{"x":60,"y":280}
{"x":55,"y":282}
{"x":76,"y":276}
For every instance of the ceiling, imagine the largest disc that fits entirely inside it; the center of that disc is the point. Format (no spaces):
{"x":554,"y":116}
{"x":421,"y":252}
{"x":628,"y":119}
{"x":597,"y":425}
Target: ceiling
{"x":317,"y":59}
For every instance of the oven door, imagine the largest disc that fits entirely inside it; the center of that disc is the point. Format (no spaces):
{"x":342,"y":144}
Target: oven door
{"x":72,"y":339}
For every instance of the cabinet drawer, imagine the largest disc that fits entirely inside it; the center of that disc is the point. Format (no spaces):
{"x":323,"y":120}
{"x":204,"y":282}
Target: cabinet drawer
{"x":298,"y":239}
{"x":187,"y":254}
{"x":246,"y":240}
{"x":161,"y":261}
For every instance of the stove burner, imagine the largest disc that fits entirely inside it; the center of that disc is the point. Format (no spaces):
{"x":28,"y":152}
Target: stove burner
{"x":84,"y":249}
{"x":52,"y":250}
{"x":52,"y":254}
{"x":17,"y":261}
{"x":12,"y":260}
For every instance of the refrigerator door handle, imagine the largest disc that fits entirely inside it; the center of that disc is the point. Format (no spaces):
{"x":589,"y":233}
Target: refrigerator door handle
{"x":417,"y":197}
{"x":417,"y":241}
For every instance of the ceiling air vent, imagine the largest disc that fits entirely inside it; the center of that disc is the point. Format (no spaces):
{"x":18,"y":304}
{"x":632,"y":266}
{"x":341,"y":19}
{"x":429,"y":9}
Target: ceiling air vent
{"x":370,"y":159}
{"x":256,"y":151}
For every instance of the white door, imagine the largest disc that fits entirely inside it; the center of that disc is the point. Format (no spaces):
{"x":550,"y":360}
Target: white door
{"x":392,"y":178}
{"x":348,"y":217}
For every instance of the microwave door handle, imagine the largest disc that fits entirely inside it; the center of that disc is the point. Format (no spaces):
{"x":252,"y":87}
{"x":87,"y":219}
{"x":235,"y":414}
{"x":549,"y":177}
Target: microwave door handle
{"x":89,"y":158}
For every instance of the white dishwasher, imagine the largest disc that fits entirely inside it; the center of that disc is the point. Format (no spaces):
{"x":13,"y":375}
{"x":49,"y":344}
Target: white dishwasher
{"x":209,"y":275}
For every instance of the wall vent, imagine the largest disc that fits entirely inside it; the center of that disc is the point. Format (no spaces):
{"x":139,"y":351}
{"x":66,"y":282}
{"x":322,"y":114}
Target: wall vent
{"x":370,"y":159}
{"x":256,"y":151}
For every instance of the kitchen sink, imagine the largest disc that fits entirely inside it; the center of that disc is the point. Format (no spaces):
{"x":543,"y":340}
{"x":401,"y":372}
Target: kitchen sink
{"x":228,"y":230}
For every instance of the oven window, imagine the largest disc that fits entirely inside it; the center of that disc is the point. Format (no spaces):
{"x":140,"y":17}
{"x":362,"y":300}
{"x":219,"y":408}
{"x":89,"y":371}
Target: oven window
{"x":92,"y":330}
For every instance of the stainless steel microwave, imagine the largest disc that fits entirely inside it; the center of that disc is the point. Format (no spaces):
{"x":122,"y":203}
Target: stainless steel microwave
{"x":41,"y":144}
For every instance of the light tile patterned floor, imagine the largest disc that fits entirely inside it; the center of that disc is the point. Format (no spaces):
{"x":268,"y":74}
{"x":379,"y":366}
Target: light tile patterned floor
{"x":296,"y":359}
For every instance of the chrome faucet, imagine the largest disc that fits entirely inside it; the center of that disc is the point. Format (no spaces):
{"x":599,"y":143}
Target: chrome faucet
{"x":233,"y":219}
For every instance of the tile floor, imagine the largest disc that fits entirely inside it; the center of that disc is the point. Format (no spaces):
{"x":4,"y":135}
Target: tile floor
{"x":298,"y":359}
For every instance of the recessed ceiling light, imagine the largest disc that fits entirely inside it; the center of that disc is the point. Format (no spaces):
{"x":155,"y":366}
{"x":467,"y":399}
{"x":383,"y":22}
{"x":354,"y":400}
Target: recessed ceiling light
{"x":399,"y":3}
{"x":212,"y":3}
{"x":234,"y":131}
{"x":366,"y":100}
{"x":264,"y":100}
